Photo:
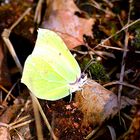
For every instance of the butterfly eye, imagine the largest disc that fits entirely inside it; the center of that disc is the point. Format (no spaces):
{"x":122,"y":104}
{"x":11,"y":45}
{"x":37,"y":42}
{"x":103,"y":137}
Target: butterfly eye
{"x":83,"y":76}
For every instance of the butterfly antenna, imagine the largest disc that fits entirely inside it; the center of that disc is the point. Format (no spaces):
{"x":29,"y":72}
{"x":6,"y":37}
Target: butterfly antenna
{"x":89,"y":64}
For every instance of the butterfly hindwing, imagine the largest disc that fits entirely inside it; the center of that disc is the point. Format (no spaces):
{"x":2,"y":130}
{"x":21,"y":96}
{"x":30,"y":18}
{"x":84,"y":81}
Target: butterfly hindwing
{"x":44,"y":83}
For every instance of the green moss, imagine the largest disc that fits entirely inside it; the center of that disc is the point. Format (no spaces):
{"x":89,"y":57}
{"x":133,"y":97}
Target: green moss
{"x":96,"y":70}
{"x":136,"y":41}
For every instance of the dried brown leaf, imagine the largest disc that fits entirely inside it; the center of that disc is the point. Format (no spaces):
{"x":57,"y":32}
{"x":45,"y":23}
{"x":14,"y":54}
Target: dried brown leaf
{"x":4,"y":133}
{"x":63,"y":20}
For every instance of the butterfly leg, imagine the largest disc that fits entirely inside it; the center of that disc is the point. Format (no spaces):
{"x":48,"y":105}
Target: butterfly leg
{"x":70,"y":96}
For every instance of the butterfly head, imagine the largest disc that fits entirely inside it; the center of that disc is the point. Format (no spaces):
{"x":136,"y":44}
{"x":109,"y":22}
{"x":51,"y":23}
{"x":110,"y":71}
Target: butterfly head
{"x":79,"y":83}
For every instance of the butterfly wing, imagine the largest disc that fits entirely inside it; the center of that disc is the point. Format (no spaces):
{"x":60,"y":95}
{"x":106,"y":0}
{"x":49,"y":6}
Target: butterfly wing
{"x":50,"y":68}
{"x":45,"y":84}
{"x":57,"y":54}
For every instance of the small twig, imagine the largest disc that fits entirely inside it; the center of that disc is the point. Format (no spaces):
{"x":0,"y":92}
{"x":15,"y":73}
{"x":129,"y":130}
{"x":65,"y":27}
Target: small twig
{"x":22,"y":110}
{"x":123,"y":59}
{"x":4,"y":124}
{"x":121,"y":83}
{"x":37,"y":17}
{"x":10,"y":91}
{"x":44,"y":116}
{"x":112,"y":132}
{"x":116,"y":48}
{"x":127,"y":116}
{"x":5,"y":35}
{"x":19,"y":19}
{"x":93,"y":132}
{"x":120,"y":20}
{"x":37,"y":118}
{"x":19,"y":120}
{"x":96,"y":5}
{"x":19,"y":135}
{"x":97,"y":53}
{"x":124,"y":28}
{"x":21,"y":124}
{"x":108,"y":3}
{"x":6,"y":91}
{"x":101,"y":53}
{"x":15,"y":124}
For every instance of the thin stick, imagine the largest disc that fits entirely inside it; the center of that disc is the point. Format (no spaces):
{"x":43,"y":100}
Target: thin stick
{"x":37,"y":118}
{"x":10,"y":91}
{"x":37,"y":17}
{"x":116,"y":48}
{"x":124,"y":28}
{"x":5,"y":35}
{"x":121,"y":83}
{"x":20,"y":18}
{"x":21,"y":124}
{"x":6,"y":91}
{"x":19,"y":120}
{"x":123,"y":59}
{"x":44,"y":117}
{"x":11,"y":50}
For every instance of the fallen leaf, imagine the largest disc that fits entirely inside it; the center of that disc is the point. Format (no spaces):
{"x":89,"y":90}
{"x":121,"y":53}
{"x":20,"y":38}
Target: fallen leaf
{"x":4,"y":133}
{"x":71,"y":28}
{"x":134,"y":130}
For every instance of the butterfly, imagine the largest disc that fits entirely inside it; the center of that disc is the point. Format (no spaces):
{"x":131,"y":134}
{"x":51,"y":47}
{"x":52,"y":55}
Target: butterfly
{"x":51,"y":72}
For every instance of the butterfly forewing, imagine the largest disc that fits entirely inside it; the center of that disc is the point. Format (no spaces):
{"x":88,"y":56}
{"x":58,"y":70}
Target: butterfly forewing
{"x":43,"y":83}
{"x":57,"y":53}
